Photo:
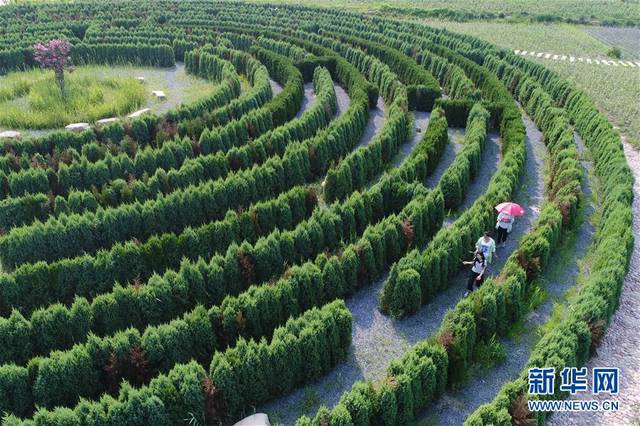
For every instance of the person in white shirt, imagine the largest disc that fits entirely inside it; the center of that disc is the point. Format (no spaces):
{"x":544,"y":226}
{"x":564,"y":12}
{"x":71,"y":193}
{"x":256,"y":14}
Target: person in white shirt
{"x":487,"y":246}
{"x":503,"y":226}
{"x":478,"y":266}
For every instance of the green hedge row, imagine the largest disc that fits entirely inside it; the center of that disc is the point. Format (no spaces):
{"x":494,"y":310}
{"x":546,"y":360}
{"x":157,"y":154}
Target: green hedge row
{"x":56,"y":140}
{"x":241,"y":266}
{"x":418,"y":276}
{"x":413,"y":381}
{"x":300,"y":351}
{"x":66,"y":332}
{"x":221,"y":139}
{"x":421,"y":212}
{"x":216,"y":69}
{"x":420,"y":377}
{"x":228,"y":88}
{"x":100,"y":53}
{"x":36,"y":285}
{"x":425,"y":87}
{"x":158,"y":55}
{"x":298,"y":165}
{"x":467,"y":164}
{"x":259,"y":95}
{"x":366,"y":162}
{"x":292,"y":51}
{"x":70,"y":235}
{"x":450,"y":76}
{"x":441,"y":259}
{"x":177,"y":157}
{"x":572,"y":341}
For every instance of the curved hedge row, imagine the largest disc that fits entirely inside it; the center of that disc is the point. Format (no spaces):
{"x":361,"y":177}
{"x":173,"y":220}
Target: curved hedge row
{"x":249,"y":292}
{"x":185,"y":165}
{"x":325,"y":331}
{"x":417,"y":277}
{"x":573,"y":339}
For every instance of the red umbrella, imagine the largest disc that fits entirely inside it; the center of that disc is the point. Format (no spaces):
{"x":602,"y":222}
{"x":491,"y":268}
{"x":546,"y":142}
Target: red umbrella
{"x":514,"y":209}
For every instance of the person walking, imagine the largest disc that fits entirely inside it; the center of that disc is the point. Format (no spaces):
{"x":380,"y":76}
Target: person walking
{"x":476,"y":276}
{"x":503,"y":227}
{"x":487,"y":246}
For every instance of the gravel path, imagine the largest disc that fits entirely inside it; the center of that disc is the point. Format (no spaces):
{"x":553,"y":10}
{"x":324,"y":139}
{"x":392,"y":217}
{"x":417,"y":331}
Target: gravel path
{"x":374,"y":124}
{"x":621,"y":344}
{"x":377,"y":339}
{"x":560,"y":275}
{"x":420,"y":124}
{"x":276,"y":88}
{"x":308,"y":100}
{"x":451,"y":149}
{"x":491,"y":156}
{"x":343,"y":99}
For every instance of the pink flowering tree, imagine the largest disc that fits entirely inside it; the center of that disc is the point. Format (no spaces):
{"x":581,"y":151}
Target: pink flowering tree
{"x":54,"y":54}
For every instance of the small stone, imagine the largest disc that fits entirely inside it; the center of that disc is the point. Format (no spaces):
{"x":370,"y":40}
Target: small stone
{"x":159,"y":94}
{"x":139,"y":113}
{"x":77,"y":127}
{"x":10,"y":134}
{"x":104,"y":121}
{"x":259,"y":419}
{"x":141,"y":80}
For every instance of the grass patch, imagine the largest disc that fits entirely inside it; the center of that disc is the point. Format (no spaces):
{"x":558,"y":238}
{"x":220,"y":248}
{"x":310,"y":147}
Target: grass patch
{"x":33,"y":99}
{"x":309,"y":400}
{"x":537,"y":296}
{"x":489,"y":354}
{"x":554,"y":320}
{"x":615,"y":90}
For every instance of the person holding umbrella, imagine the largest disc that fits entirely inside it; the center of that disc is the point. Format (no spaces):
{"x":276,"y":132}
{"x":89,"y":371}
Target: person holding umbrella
{"x":507,"y":213}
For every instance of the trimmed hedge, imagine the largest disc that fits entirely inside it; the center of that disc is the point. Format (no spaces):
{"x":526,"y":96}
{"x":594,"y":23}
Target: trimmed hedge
{"x":187,"y":207}
{"x":571,"y":342}
{"x":36,"y":285}
{"x":323,"y":335}
{"x":440,"y":261}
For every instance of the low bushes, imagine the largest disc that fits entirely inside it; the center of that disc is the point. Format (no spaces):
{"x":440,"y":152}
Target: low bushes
{"x":34,"y":285}
{"x":465,"y":167}
{"x":572,"y":341}
{"x":176,"y":163}
{"x":200,"y":281}
{"x":195,"y":204}
{"x":413,"y":381}
{"x":440,"y":261}
{"x":424,"y":87}
{"x":278,"y":109}
{"x":322,"y":335}
{"x":366,"y":162}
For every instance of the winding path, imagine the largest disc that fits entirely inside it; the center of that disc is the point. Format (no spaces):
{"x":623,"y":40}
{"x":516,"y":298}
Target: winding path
{"x":621,"y":344}
{"x":491,"y":156}
{"x":308,"y":100}
{"x":560,"y":275}
{"x":374,"y":124}
{"x":343,"y":99}
{"x":451,"y":149}
{"x":376,"y":338}
{"x":276,"y":88}
{"x":421,"y":121}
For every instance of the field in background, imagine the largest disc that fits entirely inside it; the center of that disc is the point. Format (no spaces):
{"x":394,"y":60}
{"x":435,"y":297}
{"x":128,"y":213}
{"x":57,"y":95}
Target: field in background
{"x":626,"y":12}
{"x":616,"y":90}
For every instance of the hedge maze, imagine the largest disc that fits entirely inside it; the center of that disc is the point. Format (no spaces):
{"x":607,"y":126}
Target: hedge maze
{"x":191,"y":266}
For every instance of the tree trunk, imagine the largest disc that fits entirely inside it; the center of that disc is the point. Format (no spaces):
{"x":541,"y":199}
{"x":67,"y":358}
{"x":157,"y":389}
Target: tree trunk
{"x":60,"y":80}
